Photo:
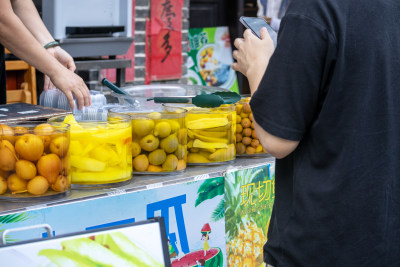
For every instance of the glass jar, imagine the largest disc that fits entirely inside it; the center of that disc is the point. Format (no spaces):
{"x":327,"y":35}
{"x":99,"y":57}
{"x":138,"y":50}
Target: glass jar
{"x":101,"y":151}
{"x":34,"y":160}
{"x":247,"y":143}
{"x":211,"y":134}
{"x":159,"y":139}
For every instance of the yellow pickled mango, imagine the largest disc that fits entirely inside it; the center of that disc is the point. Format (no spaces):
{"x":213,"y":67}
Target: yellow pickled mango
{"x":74,"y":125}
{"x":88,"y":148}
{"x":211,"y":134}
{"x":114,"y":158}
{"x":208,"y":139}
{"x":190,"y":144}
{"x":200,"y":144}
{"x":209,"y":150}
{"x":207,"y":123}
{"x":181,"y":165}
{"x":162,"y":129}
{"x":220,"y":129}
{"x":112,"y":135}
{"x":142,"y":127}
{"x":87,"y":164}
{"x":111,"y":174}
{"x":223,"y":154}
{"x":190,"y":134}
{"x":75,"y":148}
{"x":197,"y":158}
{"x":100,"y":153}
{"x":204,"y":153}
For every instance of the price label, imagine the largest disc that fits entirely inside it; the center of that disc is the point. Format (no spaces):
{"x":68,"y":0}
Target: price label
{"x":201,"y":177}
{"x":36,"y":207}
{"x":156,"y":185}
{"x":117,"y":192}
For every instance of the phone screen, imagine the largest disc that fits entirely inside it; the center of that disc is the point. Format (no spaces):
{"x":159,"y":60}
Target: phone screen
{"x":255,"y":25}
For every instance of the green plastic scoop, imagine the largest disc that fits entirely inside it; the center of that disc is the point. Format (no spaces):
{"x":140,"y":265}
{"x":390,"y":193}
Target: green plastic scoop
{"x":204,"y":100}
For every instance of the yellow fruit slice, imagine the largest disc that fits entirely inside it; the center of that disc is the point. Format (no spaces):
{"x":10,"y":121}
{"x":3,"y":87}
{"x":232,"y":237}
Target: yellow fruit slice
{"x":200,"y":144}
{"x":111,"y":174}
{"x":223,"y":133}
{"x":87,"y":164}
{"x":203,"y":138}
{"x":197,"y":158}
{"x":207,"y":123}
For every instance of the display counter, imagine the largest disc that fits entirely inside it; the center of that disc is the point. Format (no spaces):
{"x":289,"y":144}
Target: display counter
{"x":208,"y":210}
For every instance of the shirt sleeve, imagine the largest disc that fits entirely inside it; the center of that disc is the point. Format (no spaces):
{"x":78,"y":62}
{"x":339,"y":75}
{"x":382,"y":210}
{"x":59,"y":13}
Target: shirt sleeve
{"x":297,"y":77}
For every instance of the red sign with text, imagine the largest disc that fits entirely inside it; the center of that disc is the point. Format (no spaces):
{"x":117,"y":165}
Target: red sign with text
{"x":164,"y":36}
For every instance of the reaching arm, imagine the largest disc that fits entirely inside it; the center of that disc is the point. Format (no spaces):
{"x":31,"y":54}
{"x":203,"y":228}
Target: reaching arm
{"x":252,"y":56}
{"x":19,"y":40}
{"x":27,"y":13}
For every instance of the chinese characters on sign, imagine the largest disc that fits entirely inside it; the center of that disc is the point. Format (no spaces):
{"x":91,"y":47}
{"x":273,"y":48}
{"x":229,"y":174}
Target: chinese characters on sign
{"x":164,"y":39}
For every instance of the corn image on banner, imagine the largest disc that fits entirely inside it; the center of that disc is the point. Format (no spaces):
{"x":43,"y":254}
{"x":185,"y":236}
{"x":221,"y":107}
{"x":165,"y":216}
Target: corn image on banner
{"x":210,"y":58}
{"x":249,"y":197}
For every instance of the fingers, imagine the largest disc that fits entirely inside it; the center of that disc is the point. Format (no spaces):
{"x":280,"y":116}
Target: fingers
{"x":235,"y":54}
{"x":70,"y":99}
{"x":248,"y":34}
{"x":264,"y":33}
{"x":80,"y":99}
{"x":71,"y":65}
{"x":47,"y":82}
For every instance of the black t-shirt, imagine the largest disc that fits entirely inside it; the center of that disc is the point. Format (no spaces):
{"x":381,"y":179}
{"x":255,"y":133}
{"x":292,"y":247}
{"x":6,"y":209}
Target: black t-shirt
{"x":333,"y":83}
{"x":2,"y":77}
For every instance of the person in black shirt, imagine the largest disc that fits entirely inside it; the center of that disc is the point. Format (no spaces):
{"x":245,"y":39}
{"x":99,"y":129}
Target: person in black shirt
{"x":2,"y":77}
{"x":24,"y":34}
{"x":326,"y":104}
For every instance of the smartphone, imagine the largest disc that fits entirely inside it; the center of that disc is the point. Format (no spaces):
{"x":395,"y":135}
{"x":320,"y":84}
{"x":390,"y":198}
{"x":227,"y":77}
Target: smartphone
{"x":255,"y":24}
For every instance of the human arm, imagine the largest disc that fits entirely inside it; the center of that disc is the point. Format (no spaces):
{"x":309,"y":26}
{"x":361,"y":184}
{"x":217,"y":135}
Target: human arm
{"x":17,"y":38}
{"x":252,"y":56}
{"x":27,"y":13}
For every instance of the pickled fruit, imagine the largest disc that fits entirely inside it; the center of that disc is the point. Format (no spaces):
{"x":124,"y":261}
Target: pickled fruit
{"x":29,"y":147}
{"x":209,"y":131}
{"x":140,"y":163}
{"x":170,"y":163}
{"x":169,"y":144}
{"x":157,"y":136}
{"x":16,"y":184}
{"x":149,"y":142}
{"x":143,"y":127}
{"x":100,"y":152}
{"x":246,"y":138}
{"x":7,"y":133}
{"x":7,"y":156}
{"x":162,"y":129}
{"x":38,"y":185}
{"x":157,"y":157}
{"x":27,"y":169}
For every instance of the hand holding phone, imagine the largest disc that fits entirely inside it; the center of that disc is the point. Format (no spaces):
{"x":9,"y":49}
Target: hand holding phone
{"x":255,"y":25}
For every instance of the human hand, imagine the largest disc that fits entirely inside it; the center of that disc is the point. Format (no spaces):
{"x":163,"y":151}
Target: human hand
{"x":64,"y":58}
{"x":71,"y":85}
{"x":252,"y":54}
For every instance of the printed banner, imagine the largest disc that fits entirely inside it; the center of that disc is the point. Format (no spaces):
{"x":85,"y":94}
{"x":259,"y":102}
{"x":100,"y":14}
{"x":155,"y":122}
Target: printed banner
{"x":164,"y":33}
{"x":210,"y":58}
{"x":249,"y":197}
{"x":192,"y":213}
{"x":139,"y":244}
